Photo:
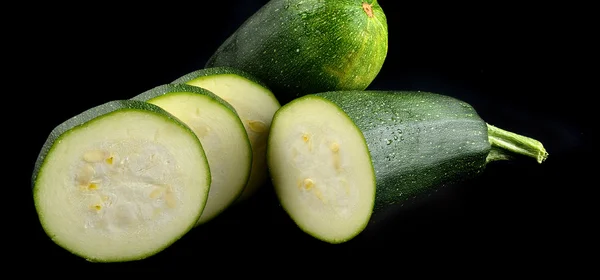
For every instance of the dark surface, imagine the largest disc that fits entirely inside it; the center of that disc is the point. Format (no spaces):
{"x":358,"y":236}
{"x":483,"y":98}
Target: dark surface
{"x":504,"y":63}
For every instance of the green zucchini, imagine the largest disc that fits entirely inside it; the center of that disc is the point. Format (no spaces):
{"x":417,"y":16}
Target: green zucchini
{"x":336,"y":159}
{"x":309,"y":46}
{"x":221,"y":133}
{"x":120,"y":182}
{"x":255,"y":105}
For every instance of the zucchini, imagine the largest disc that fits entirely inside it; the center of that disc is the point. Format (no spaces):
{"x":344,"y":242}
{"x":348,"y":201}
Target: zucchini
{"x":310,"y":46}
{"x":338,"y":158}
{"x":221,"y":133}
{"x":120,"y":182}
{"x":255,"y":105}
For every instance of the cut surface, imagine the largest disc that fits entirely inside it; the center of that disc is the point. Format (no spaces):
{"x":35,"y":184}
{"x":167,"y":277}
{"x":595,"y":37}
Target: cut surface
{"x":255,"y":106}
{"x":321,"y":169}
{"x":224,"y":140}
{"x":122,"y":186}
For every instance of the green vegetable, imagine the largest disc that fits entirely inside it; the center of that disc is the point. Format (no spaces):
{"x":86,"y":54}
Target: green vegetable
{"x":119,"y":182}
{"x":337,"y":158}
{"x":255,"y":105}
{"x":221,"y":133}
{"x":310,"y":46}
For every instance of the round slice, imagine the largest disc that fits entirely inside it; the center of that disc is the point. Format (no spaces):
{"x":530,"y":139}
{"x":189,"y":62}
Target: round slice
{"x":254,"y":103}
{"x":321,"y":169}
{"x":221,"y":133}
{"x":119,"y":182}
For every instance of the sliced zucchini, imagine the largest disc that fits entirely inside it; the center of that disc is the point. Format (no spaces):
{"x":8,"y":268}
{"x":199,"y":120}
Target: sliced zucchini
{"x":221,"y":133}
{"x":339,"y":158}
{"x":120,"y":182}
{"x":254,"y":103}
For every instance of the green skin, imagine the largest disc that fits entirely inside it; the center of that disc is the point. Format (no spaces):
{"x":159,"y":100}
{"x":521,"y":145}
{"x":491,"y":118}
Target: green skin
{"x":303,"y":47}
{"x":419,"y":141}
{"x":87,"y":118}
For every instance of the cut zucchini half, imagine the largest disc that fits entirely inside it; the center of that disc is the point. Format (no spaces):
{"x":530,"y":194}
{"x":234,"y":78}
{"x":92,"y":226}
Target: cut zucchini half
{"x":120,"y":182}
{"x":221,"y":133}
{"x":254,"y":103}
{"x":340,"y":159}
{"x":321,"y":169}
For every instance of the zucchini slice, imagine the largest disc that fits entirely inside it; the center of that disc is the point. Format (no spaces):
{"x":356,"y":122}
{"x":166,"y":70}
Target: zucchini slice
{"x":255,"y":105}
{"x":221,"y":133}
{"x":120,"y":182}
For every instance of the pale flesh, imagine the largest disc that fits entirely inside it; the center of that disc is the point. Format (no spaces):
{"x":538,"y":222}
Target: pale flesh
{"x":225,"y":143}
{"x":122,"y":187}
{"x":255,"y":107}
{"x":321,"y":170}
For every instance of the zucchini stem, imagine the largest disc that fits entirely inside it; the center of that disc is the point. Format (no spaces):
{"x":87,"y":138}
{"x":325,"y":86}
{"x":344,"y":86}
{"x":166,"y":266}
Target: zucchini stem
{"x":506,"y":144}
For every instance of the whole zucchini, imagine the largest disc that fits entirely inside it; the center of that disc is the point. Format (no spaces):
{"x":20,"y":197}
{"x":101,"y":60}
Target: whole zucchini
{"x":309,"y":46}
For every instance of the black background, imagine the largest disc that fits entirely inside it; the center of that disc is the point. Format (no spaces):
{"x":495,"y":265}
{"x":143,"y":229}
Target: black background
{"x":507,"y":62}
